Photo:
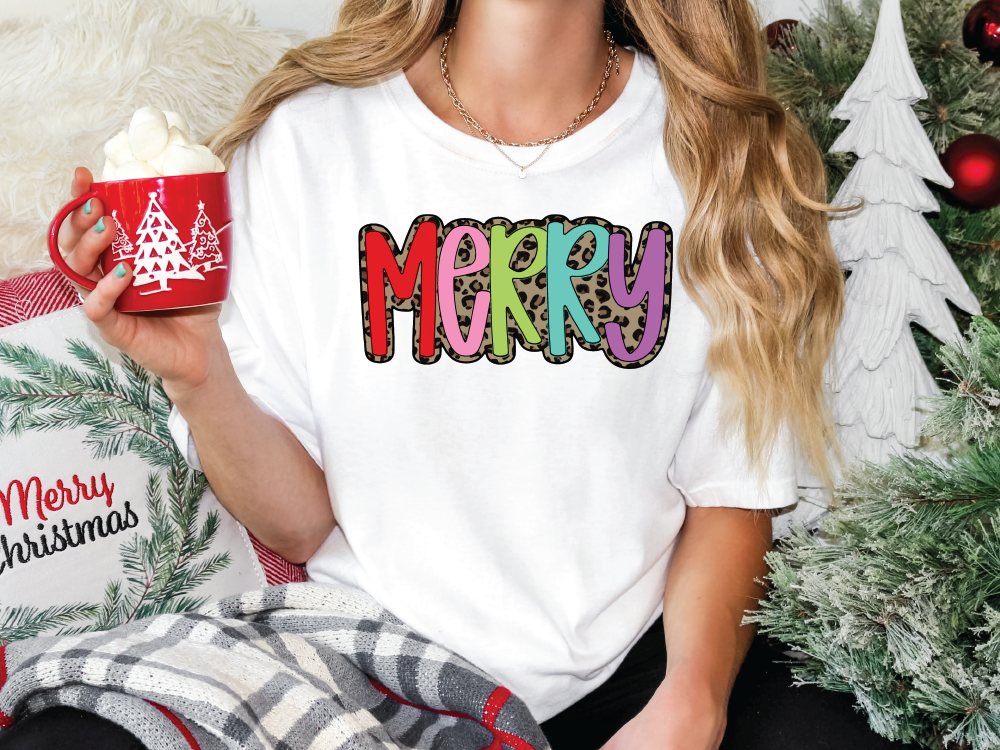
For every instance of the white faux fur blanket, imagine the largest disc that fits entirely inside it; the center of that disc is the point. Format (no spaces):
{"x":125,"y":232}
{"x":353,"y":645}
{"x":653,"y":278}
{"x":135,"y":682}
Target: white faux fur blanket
{"x":68,"y":84}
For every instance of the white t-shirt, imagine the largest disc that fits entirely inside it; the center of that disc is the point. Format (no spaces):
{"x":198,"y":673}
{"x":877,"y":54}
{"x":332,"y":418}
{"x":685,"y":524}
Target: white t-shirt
{"x":520,"y":510}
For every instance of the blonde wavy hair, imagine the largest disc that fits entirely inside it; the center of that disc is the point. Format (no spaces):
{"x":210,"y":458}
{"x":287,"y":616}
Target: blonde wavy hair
{"x":754,"y":251}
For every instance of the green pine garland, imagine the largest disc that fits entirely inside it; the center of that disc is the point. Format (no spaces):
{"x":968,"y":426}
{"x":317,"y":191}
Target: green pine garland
{"x":897,"y":597}
{"x":120,"y":413}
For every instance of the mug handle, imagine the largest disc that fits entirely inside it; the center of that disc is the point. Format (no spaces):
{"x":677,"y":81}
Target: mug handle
{"x":54,"y":251}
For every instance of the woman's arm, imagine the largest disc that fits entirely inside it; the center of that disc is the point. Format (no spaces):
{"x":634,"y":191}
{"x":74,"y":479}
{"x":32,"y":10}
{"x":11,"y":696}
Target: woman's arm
{"x":710,"y":583}
{"x":257,"y":467}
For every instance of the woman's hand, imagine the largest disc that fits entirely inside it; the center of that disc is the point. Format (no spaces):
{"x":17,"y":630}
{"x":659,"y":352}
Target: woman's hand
{"x":704,"y":602}
{"x":244,"y":452}
{"x":681,"y":715}
{"x":179,"y":346}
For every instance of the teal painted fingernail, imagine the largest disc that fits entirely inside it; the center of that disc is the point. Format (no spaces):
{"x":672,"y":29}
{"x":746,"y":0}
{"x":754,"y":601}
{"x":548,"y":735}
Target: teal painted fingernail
{"x":87,"y":208}
{"x":99,"y":226}
{"x":120,"y":270}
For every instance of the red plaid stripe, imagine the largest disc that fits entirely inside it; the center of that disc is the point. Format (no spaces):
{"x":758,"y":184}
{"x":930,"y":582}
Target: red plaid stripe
{"x":180,"y":725}
{"x":27,"y":297}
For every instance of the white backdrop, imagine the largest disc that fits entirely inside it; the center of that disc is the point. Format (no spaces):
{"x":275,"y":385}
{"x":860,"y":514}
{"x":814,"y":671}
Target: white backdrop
{"x":315,"y":16}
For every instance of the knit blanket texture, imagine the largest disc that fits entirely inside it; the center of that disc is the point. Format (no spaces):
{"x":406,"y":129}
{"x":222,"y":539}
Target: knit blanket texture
{"x":298,"y":666}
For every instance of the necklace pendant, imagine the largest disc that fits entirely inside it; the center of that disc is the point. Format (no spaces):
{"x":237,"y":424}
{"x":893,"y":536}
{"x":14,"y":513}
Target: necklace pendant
{"x":474,"y":127}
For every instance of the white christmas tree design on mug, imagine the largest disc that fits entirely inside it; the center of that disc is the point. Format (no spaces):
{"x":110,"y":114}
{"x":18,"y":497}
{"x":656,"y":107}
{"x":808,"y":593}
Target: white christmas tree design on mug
{"x":159,"y":257}
{"x":206,"y":255}
{"x":159,"y":253}
{"x":122,"y":247}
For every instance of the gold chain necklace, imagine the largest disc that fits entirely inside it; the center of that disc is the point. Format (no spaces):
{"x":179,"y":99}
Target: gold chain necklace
{"x":474,"y":127}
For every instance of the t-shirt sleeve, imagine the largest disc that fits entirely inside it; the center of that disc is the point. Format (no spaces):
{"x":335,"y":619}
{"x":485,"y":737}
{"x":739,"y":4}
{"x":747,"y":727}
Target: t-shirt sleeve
{"x":260,"y":320}
{"x":710,"y":467}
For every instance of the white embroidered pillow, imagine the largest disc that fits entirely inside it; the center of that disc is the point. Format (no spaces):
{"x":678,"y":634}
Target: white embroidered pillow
{"x":101,"y":520}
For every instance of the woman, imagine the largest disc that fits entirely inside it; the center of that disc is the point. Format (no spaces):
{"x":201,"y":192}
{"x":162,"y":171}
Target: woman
{"x":535,"y":511}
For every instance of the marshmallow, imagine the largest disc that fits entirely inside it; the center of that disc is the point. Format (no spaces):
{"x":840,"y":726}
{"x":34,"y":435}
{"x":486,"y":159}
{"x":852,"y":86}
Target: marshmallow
{"x":135,"y":170}
{"x":176,"y":120}
{"x":176,"y":137}
{"x":156,"y":144}
{"x":110,"y":173}
{"x":188,"y":160}
{"x":117,"y":149}
{"x":148,"y":133}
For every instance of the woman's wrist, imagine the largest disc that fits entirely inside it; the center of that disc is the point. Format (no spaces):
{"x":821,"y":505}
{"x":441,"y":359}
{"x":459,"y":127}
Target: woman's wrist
{"x":683,"y":714}
{"x":704,"y":653}
{"x":211,"y":378}
{"x":697,"y":701}
{"x":704,"y":687}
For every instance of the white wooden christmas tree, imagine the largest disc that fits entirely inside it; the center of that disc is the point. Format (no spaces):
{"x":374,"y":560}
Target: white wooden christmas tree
{"x":205,"y":254}
{"x":900,"y":270}
{"x":159,"y":255}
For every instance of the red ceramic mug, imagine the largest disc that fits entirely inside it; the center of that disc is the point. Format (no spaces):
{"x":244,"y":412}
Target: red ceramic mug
{"x":173,"y":231}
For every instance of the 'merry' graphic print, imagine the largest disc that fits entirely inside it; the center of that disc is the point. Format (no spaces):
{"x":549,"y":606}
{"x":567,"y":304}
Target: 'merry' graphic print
{"x":475,"y":289}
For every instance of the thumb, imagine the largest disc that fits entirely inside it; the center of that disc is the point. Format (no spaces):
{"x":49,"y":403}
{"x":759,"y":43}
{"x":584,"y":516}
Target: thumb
{"x":100,"y":306}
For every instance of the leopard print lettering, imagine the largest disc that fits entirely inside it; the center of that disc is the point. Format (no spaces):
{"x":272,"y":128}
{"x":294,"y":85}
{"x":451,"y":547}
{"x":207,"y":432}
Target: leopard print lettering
{"x":593,"y":292}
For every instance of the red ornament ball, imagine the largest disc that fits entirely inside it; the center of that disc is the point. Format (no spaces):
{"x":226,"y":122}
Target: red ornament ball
{"x":781,"y":35}
{"x":981,"y":30}
{"x":973,"y":162}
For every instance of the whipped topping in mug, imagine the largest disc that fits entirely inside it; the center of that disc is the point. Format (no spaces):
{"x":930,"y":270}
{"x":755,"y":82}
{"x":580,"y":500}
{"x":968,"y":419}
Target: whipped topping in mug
{"x":156,"y":144}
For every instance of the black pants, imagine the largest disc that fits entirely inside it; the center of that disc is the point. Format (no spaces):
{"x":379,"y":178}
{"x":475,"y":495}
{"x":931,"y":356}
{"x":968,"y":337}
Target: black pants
{"x":765,"y":712}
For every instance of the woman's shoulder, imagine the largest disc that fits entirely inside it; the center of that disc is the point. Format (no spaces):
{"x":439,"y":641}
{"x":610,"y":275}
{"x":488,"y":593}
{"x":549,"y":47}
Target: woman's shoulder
{"x":314,"y":125}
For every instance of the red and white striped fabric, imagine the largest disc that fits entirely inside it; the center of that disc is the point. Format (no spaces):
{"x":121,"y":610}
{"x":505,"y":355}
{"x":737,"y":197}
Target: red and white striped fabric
{"x":35,"y":294}
{"x":27,"y":297}
{"x":277,"y":569}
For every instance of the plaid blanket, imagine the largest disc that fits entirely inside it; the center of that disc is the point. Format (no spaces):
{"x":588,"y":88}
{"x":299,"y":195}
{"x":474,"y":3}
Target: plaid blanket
{"x":291,"y":667}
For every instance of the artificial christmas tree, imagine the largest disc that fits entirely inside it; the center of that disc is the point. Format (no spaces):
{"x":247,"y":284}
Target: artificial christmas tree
{"x":963,"y":97}
{"x":896,"y":597}
{"x":159,"y":255}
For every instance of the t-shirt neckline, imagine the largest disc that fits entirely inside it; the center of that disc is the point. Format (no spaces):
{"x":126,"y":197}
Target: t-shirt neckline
{"x":642,"y":84}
